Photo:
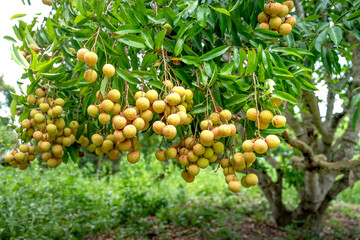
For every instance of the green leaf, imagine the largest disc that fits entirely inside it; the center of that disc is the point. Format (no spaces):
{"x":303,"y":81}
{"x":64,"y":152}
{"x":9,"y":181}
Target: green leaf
{"x":269,"y":131}
{"x":353,"y":16}
{"x":355,"y":119}
{"x":80,"y":7}
{"x":335,"y":34}
{"x":252,"y":62}
{"x":221,"y":10}
{"x":284,"y":96}
{"x":127,"y":76}
{"x":200,"y":108}
{"x":103,"y":85}
{"x":148,"y":39}
{"x":18,"y":16}
{"x":13,"y":106}
{"x":128,"y":28}
{"x":214,"y":75}
{"x":355,"y":100}
{"x":320,"y":40}
{"x":10,"y":39}
{"x":287,"y":50}
{"x":18,"y":57}
{"x":311,"y":18}
{"x":159,"y":39}
{"x":237,"y":99}
{"x":179,"y":46}
{"x":214,"y":53}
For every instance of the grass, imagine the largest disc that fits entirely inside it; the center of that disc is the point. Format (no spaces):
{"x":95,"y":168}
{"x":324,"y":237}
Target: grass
{"x":71,"y":203}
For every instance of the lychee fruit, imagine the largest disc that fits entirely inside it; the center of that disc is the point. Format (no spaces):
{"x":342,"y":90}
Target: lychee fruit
{"x":93,"y":110}
{"x":107,"y":146}
{"x":275,"y":22}
{"x":183,"y":160}
{"x":228,"y":170}
{"x":249,"y":157}
{"x":60,"y":102}
{"x":225,"y":162}
{"x":230,"y":177}
{"x":104,"y":118}
{"x":285,"y":29}
{"x":251,"y":179}
{"x":114,"y":154}
{"x":252,"y":114}
{"x":90,"y":75}
{"x":173,"y":99}
{"x":225,"y":115}
{"x":169,"y":132}
{"x":203,"y":163}
{"x":158,"y":127}
{"x":139,"y":123}
{"x":289,"y":4}
{"x":116,"y":110}
{"x":168,"y":84}
{"x":108,"y":70}
{"x":183,"y":117}
{"x":133,"y":157}
{"x":189,"y":142}
{"x":224,"y":130}
{"x":147,"y":115}
{"x":26,"y":124}
{"x":171,"y":153}
{"x":152,"y":95}
{"x":142,"y":103}
{"x":284,"y":11}
{"x":291,"y":21}
{"x":179,"y":90}
{"x":218,"y":147}
{"x":44,"y":107}
{"x":193,"y":170}
{"x":119,"y":122}
{"x":97,"y":139}
{"x":90,"y":58}
{"x":189,"y":95}
{"x":192,"y":157}
{"x":276,"y":102}
{"x":199,"y":149}
{"x":173,"y":119}
{"x":106,"y":105}
{"x":57,"y":110}
{"x":278,"y":121}
{"x":51,"y":129}
{"x":130,"y":113}
{"x":39,"y":118}
{"x":248,"y":146}
{"x":125,"y":145}
{"x":119,"y":136}
{"x":207,"y":136}
{"x":184,"y":151}
{"x":188,"y":119}
{"x":262,"y":125}
{"x":160,"y":155}
{"x":266,"y":116}
{"x":264,"y":26}
{"x":129,"y":131}
{"x":215,"y":118}
{"x":263,"y":18}
{"x":187,"y":176}
{"x":206,"y":124}
{"x":260,"y":146}
{"x":31,"y":99}
{"x":209,"y":152}
{"x":159,"y":106}
{"x":272,"y":141}
{"x":234,"y":186}
{"x":81,"y":54}
{"x":114,"y":95}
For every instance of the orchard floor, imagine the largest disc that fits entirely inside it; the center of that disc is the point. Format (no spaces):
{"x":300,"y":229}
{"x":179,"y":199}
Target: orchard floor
{"x":149,"y":201}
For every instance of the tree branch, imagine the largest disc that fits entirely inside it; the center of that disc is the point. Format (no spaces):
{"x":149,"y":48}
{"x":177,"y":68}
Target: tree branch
{"x":299,"y":9}
{"x":320,"y":165}
{"x":302,"y":146}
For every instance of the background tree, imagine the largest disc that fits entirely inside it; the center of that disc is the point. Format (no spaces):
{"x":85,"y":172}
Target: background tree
{"x":216,"y":49}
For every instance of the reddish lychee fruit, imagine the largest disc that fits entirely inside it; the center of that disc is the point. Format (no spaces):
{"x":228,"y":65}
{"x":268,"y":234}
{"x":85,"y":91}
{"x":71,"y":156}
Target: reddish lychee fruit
{"x":183,"y":160}
{"x":291,"y":21}
{"x":189,"y":142}
{"x":264,"y":26}
{"x":119,"y":122}
{"x":187,"y":176}
{"x":193,"y":170}
{"x":206,"y":124}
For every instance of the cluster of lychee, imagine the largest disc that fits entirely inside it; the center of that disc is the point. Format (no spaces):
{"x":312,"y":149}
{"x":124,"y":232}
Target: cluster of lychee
{"x":91,"y":58}
{"x":274,"y":17}
{"x":47,"y":129}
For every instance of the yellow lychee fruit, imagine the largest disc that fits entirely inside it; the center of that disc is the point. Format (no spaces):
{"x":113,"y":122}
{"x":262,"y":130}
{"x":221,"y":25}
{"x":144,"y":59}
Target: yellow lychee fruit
{"x":275,"y":22}
{"x":284,"y":10}
{"x":81,"y":54}
{"x":207,"y":136}
{"x":60,"y":102}
{"x":225,"y":115}
{"x":183,"y":160}
{"x":107,"y":145}
{"x":260,"y":146}
{"x":276,"y":102}
{"x":248,"y":146}
{"x":264,"y":26}
{"x":24,"y":148}
{"x":291,"y":21}
{"x":92,"y":110}
{"x":199,"y":149}
{"x":114,"y":154}
{"x":266,"y":116}
{"x":26,"y":124}
{"x":51,"y":129}
{"x":184,"y":151}
{"x":106,"y":105}
{"x":160,"y":155}
{"x":173,"y":119}
{"x":263,"y":18}
{"x":215,"y":118}
{"x":47,"y":2}
{"x":133,"y":157}
{"x":188,"y":119}
{"x":206,"y":124}
{"x":173,"y":99}
{"x":159,"y":106}
{"x":168,"y":28}
{"x":139,"y":123}
{"x":218,"y":147}
{"x":252,"y":114}
{"x":169,"y":132}
{"x":108,"y":70}
{"x":193,"y":170}
{"x":225,"y":162}
{"x":279,"y":121}
{"x":125,"y":146}
{"x":187,"y":176}
{"x":152,"y":95}
{"x":289,"y":4}
{"x":158,"y":127}
{"x":183,"y":117}
{"x":251,"y":179}
{"x":192,"y":157}
{"x":130,"y":113}
{"x":189,"y":95}
{"x":168,"y":84}
{"x":119,"y":136}
{"x":97,"y":139}
{"x":189,"y":142}
{"x":249,"y":157}
{"x":203,"y":163}
{"x":90,"y":58}
{"x":228,"y":170}
{"x":104,"y":118}
{"x":285,"y":29}
{"x":272,"y":141}
{"x":57,"y":110}
{"x":90,"y":75}
{"x":230,"y":177}
{"x":262,"y":125}
{"x":224,"y":130}
{"x":171,"y":153}
{"x":179,"y":90}
{"x":114,"y":95}
{"x":139,"y":94}
{"x":207,"y":144}
{"x":234,"y":186}
{"x":39,"y":118}
{"x":31,"y":99}
{"x":129,"y":131}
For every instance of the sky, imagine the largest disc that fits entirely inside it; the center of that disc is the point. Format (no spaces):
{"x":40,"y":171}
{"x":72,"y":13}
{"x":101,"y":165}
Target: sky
{"x":12,"y":72}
